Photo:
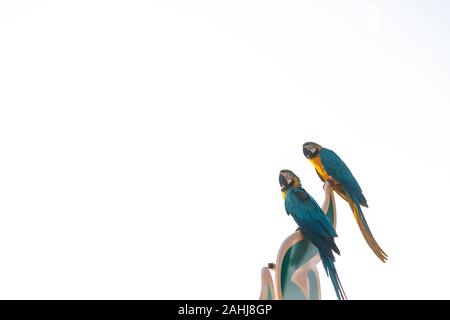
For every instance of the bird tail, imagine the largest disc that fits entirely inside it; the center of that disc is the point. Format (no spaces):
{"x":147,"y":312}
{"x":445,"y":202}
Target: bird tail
{"x":330,"y":269}
{"x":364,"y":227}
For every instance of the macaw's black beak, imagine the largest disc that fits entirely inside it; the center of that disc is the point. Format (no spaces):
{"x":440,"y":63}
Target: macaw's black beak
{"x":283,"y":182}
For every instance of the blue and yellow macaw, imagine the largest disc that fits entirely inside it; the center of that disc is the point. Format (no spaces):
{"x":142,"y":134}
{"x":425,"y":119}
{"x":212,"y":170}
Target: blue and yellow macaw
{"x":331,"y":168}
{"x":313,"y":224}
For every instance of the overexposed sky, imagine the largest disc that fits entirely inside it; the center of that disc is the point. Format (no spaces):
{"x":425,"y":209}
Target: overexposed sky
{"x":140,"y":143}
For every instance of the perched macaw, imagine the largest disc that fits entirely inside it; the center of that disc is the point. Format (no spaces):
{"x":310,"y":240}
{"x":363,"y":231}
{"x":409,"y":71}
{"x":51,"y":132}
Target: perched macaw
{"x":331,"y":168}
{"x":313,"y":223}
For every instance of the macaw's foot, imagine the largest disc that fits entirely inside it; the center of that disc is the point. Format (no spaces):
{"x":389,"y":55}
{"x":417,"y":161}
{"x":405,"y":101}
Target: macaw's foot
{"x":329,"y":184}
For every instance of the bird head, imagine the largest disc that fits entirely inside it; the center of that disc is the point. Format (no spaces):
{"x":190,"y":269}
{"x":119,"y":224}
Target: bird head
{"x":311,"y":149}
{"x":287,"y":180}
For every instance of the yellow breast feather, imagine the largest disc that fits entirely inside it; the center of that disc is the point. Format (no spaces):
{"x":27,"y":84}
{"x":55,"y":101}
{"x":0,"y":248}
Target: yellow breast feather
{"x":317,"y":163}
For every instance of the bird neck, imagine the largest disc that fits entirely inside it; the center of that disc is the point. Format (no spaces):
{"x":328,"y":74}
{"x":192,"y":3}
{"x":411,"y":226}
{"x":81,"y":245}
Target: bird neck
{"x":296,"y":183}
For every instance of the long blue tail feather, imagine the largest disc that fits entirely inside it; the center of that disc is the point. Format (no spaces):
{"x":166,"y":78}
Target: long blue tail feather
{"x":331,"y":272}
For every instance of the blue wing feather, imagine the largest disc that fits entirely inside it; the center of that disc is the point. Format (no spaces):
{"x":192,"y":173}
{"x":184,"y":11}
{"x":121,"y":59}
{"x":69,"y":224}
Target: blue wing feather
{"x":308,"y":214}
{"x":336,"y":168}
{"x":317,"y":228}
{"x":350,"y":190}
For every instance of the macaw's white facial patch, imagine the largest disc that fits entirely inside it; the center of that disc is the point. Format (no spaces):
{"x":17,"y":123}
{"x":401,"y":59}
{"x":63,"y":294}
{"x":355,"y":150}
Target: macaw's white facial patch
{"x":311,"y":148}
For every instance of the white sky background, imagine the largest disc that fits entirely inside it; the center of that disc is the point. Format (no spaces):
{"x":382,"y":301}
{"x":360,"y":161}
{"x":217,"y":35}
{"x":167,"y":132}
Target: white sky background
{"x":140,"y":143}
